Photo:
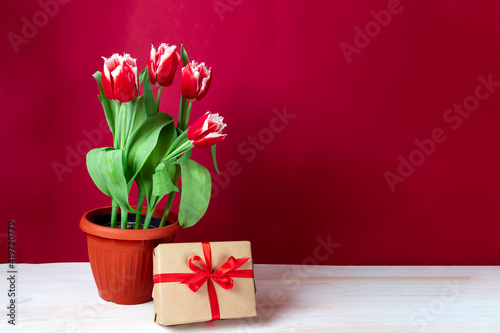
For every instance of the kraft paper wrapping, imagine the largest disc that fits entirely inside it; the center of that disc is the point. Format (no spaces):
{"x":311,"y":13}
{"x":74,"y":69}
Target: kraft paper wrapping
{"x":175,"y":303}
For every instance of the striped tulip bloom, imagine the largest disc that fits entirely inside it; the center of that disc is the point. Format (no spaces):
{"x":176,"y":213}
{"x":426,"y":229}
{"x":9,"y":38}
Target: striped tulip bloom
{"x":207,"y":130}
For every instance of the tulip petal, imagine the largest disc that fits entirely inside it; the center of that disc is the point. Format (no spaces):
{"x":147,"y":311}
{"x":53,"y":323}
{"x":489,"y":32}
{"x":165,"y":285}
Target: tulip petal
{"x":196,"y":129}
{"x":207,"y":130}
{"x":167,"y":68}
{"x":107,"y":81}
{"x":189,"y":81}
{"x":215,"y":123}
{"x":163,"y":64}
{"x":205,"y":80}
{"x":119,"y":78}
{"x":209,"y":140}
{"x":107,"y":84}
{"x":125,"y":83}
{"x":152,"y":65}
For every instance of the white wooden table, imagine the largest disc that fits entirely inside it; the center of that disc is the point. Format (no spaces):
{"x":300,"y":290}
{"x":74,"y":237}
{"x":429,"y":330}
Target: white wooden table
{"x":63,"y":298}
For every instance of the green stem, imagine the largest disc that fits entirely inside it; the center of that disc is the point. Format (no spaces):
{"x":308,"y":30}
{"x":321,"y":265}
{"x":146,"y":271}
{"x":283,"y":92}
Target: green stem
{"x":158,"y":97}
{"x":124,"y":215}
{"x":182,"y":113}
{"x":171,"y":197}
{"x":140,"y":200}
{"x":116,"y":136}
{"x":114,"y":213}
{"x":123,"y":128}
{"x":181,"y":139}
{"x":179,"y":151}
{"x":170,"y":201}
{"x":147,"y":220}
{"x":188,"y":113}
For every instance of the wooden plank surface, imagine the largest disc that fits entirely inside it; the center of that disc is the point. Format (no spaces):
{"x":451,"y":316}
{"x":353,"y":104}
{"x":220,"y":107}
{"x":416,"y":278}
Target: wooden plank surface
{"x":63,"y":298}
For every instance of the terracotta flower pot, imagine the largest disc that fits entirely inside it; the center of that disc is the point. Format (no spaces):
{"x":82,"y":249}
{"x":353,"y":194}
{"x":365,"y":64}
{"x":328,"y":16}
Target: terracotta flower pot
{"x":121,"y":259}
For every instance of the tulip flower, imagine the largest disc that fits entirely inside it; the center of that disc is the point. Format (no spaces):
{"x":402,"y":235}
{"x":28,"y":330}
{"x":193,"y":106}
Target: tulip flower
{"x":120,"y":81}
{"x":163,"y":64}
{"x":206,"y":131}
{"x":195,"y":80}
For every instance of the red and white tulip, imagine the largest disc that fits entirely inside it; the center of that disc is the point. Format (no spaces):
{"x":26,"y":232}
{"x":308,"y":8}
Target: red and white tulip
{"x":195,"y":80}
{"x":207,"y":130}
{"x":120,"y":81}
{"x":163,"y":64}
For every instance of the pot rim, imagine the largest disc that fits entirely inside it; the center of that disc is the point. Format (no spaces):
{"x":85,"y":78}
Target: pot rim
{"x":127,"y":234}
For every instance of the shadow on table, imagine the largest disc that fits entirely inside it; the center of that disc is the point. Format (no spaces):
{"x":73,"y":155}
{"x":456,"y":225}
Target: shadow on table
{"x":271,"y":302}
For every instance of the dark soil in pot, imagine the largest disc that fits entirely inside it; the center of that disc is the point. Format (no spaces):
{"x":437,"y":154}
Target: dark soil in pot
{"x":104,"y":220}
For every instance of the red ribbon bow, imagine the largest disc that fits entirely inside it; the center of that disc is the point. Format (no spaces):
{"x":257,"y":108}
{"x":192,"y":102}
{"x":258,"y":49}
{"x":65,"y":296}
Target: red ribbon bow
{"x":222,"y":276}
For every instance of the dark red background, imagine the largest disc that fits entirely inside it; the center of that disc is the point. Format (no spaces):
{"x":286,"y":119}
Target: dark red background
{"x":321,"y":176}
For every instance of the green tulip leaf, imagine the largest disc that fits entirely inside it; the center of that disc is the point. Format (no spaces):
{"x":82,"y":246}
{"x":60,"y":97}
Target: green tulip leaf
{"x":143,"y":141}
{"x":140,"y":184}
{"x":93,"y":157}
{"x":105,"y":166}
{"x":110,"y":107}
{"x":149,"y":96}
{"x":111,"y":166}
{"x":132,"y":115}
{"x":184,"y":55}
{"x":139,"y":114}
{"x":162,"y":181}
{"x":141,"y":75}
{"x":179,"y":141}
{"x":146,"y":184}
{"x":196,"y":187}
{"x":186,"y":156}
{"x":166,"y":137}
{"x":124,"y":124}
{"x":215,"y":159}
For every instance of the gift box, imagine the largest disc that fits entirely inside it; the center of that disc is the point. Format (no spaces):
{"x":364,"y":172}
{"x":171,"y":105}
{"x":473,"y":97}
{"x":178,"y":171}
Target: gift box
{"x":197,"y":282}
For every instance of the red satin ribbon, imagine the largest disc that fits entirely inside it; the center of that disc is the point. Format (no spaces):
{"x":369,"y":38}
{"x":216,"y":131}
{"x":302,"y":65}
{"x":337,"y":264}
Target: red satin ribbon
{"x":222,"y":276}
